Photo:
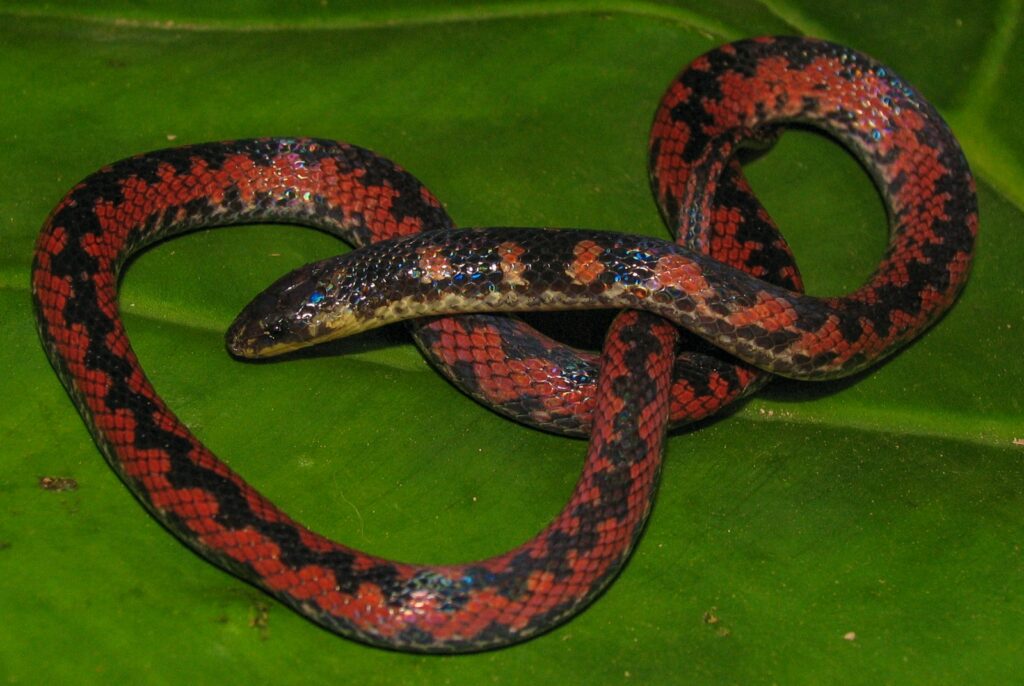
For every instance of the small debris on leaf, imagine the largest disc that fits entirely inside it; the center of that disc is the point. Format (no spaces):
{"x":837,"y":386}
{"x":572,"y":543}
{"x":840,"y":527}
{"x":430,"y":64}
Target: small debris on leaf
{"x":57,"y":483}
{"x":259,"y":619}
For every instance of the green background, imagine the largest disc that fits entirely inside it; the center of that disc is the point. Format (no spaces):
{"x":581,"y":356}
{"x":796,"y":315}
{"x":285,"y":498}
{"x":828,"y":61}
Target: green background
{"x":864,"y":531}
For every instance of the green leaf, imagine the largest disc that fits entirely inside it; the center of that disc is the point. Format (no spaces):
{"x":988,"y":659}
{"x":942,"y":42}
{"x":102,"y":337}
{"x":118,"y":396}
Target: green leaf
{"x":861,"y":531}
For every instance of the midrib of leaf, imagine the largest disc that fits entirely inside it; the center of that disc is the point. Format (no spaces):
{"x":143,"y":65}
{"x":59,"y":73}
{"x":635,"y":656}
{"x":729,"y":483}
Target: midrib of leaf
{"x":796,"y":19}
{"x":1002,"y":172}
{"x":982,"y":90}
{"x":968,"y":430}
{"x":407,"y":17}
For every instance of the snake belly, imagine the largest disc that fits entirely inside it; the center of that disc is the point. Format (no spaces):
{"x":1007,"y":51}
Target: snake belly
{"x":734,"y":94}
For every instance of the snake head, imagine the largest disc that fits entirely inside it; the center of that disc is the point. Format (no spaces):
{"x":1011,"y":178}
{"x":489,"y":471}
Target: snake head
{"x":300,"y":309}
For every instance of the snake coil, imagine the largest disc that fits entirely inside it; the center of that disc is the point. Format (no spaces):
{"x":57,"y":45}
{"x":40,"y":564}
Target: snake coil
{"x":731,"y":277}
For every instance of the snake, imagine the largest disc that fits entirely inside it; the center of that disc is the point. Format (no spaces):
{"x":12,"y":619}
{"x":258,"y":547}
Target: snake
{"x":728,"y":277}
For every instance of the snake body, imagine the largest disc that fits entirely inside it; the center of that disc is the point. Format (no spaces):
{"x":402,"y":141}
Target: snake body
{"x":737,"y":93}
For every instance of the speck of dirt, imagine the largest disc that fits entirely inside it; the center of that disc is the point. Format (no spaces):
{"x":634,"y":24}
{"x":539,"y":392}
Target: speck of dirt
{"x":57,"y":483}
{"x":711,"y":618}
{"x":259,"y":619}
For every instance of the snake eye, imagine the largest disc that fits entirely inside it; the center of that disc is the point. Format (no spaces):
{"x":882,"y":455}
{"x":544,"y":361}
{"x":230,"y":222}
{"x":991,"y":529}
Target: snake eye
{"x":276,"y":329}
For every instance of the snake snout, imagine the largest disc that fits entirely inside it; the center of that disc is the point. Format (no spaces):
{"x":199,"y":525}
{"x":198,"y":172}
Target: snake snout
{"x":275,"y":321}
{"x":250,"y":335}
